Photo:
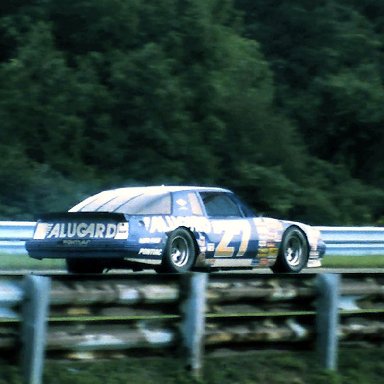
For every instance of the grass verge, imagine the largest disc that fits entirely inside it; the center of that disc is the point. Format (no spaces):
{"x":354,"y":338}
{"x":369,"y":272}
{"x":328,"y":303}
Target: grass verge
{"x":22,"y":262}
{"x":273,"y":367}
{"x":374,"y":261}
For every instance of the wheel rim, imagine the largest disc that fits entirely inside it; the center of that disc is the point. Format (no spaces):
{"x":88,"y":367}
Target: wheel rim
{"x":179,"y":251}
{"x":294,"y":251}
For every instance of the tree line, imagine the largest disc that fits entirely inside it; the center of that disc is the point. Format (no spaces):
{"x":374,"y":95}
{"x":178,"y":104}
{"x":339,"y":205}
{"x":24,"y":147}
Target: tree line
{"x":282,"y":102}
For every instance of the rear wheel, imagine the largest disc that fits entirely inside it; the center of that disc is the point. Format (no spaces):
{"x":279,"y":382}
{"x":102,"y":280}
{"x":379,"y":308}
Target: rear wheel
{"x":84,"y":266}
{"x":180,"y":252}
{"x":293,"y":252}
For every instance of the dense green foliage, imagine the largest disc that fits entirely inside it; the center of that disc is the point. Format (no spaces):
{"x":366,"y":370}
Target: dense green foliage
{"x":279,"y":101}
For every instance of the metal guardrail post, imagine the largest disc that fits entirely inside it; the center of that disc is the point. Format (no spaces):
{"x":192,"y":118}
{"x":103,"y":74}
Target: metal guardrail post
{"x":35,"y":311}
{"x":193,"y":319}
{"x":327,"y":320}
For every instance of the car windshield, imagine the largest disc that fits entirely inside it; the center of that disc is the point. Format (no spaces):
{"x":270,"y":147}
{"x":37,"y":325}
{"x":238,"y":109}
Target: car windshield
{"x":139,"y":203}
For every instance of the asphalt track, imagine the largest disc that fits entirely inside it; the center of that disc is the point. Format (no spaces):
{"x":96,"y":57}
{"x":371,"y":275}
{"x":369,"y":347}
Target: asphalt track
{"x":255,"y":271}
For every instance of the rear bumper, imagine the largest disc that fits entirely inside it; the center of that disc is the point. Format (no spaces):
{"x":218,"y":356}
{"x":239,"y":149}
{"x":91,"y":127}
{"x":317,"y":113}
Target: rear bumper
{"x":72,"y":253}
{"x":106,"y":251}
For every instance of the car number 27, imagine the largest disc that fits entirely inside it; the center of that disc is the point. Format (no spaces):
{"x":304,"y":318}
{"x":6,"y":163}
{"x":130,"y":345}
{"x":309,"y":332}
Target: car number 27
{"x":232,"y":234}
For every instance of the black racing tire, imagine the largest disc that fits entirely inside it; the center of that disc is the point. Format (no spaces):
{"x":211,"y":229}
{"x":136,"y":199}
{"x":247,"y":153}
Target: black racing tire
{"x":179,"y":253}
{"x":293,"y":252}
{"x":84,"y":266}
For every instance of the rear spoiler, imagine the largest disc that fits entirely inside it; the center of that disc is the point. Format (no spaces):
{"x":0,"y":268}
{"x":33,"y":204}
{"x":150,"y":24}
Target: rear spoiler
{"x":68,"y":216}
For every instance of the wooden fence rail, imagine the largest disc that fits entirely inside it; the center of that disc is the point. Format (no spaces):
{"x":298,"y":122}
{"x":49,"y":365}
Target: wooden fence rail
{"x":111,"y":315}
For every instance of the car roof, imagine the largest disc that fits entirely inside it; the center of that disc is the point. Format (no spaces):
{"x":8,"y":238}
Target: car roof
{"x":134,"y":191}
{"x":167,"y":188}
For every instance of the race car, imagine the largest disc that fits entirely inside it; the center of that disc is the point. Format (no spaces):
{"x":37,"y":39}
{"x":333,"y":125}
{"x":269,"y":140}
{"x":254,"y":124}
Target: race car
{"x":172,"y":229}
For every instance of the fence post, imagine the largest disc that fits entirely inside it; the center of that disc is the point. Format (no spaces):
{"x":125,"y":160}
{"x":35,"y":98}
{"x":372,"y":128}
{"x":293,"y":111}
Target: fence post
{"x":193,"y":295}
{"x":34,"y":323}
{"x":327,"y":320}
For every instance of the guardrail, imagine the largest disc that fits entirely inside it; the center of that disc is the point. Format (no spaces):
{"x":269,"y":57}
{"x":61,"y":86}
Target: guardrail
{"x":351,"y":241}
{"x":14,"y":234}
{"x":187,"y":315}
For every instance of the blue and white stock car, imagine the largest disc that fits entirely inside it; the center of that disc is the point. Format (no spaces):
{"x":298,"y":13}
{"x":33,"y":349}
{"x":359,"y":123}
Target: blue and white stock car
{"x":172,"y":229}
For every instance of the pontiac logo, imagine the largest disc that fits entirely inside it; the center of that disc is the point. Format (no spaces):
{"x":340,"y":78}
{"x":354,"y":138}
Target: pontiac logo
{"x":118,"y":231}
{"x":76,"y":242}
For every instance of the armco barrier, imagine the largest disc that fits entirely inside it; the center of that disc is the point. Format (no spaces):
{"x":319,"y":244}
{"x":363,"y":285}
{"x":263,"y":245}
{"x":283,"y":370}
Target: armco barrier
{"x":13,"y":235}
{"x":188,"y":315}
{"x":355,"y":241}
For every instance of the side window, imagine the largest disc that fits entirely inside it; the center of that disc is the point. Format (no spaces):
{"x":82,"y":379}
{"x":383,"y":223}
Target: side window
{"x":156,"y":204}
{"x":195,"y":204}
{"x":186,"y":204}
{"x":246,"y":210}
{"x":220,"y":204}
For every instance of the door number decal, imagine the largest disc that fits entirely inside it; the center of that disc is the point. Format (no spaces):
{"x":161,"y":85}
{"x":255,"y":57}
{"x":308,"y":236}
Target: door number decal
{"x":224,"y":249}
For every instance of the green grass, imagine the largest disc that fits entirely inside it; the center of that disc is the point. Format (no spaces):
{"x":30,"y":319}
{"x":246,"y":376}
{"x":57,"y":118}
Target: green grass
{"x":22,"y":262}
{"x":376,"y":261}
{"x":272,"y":367}
{"x":14,"y":262}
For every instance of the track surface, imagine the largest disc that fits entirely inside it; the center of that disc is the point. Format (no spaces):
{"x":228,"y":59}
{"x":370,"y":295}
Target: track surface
{"x":149,"y":272}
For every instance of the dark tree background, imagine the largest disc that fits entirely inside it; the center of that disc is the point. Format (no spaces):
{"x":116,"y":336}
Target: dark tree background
{"x":282,"y":102}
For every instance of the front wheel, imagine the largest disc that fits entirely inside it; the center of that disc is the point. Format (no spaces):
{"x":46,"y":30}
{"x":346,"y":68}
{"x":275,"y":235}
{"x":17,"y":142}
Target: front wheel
{"x":293,"y":252}
{"x":179,"y":254}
